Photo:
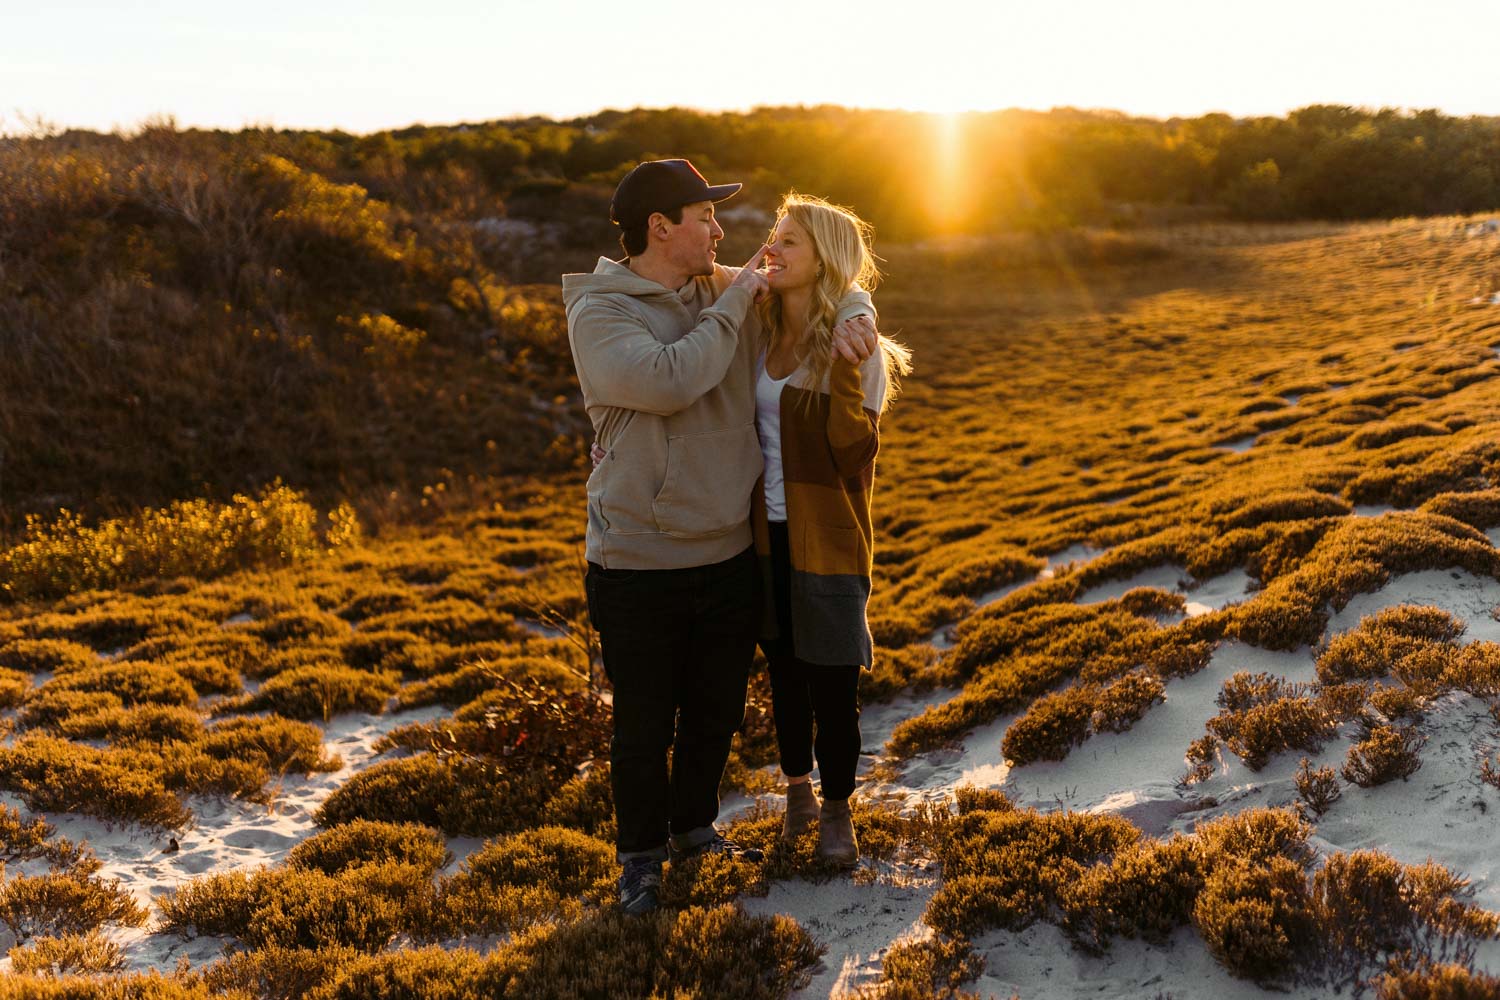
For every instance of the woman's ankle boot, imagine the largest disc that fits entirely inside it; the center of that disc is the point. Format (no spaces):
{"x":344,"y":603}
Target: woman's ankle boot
{"x":801,"y":810}
{"x":836,"y":840}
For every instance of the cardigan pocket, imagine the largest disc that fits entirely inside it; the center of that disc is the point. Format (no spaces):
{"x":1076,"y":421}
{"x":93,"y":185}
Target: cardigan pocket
{"x":708,"y":482}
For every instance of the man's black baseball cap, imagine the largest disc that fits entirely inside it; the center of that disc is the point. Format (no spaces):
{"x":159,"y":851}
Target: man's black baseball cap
{"x":661,"y":186}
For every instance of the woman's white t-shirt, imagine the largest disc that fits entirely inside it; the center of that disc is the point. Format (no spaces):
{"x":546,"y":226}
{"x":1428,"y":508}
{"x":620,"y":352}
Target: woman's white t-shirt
{"x":768,"y":423}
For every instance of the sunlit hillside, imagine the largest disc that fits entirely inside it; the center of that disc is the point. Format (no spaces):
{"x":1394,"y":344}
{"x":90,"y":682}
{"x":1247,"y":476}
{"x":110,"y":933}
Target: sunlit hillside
{"x":1186,"y":678}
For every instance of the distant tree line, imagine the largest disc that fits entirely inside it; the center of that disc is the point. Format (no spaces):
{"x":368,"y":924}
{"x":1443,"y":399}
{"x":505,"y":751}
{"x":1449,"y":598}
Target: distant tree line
{"x":918,"y":174}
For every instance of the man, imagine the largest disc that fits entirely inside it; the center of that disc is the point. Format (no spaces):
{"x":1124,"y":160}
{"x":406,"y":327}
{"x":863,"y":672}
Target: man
{"x":672,"y":580}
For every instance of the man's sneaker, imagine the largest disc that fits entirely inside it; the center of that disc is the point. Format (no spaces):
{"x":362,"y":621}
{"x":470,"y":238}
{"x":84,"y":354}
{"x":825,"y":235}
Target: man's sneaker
{"x":639,"y":884}
{"x":720,"y":844}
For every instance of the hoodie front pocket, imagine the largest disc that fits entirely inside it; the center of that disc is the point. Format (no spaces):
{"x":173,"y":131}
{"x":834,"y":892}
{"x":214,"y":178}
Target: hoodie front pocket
{"x":707,"y":486}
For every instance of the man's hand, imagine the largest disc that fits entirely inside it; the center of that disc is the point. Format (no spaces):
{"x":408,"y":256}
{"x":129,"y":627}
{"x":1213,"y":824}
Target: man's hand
{"x":855,"y":339}
{"x":597,"y":454}
{"x":751,"y":279}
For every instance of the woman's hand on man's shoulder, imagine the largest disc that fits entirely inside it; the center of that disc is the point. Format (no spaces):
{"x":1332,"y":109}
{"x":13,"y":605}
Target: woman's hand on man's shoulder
{"x":855,"y":339}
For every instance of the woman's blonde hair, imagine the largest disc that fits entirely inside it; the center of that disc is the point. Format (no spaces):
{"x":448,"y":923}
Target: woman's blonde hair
{"x":841,"y":246}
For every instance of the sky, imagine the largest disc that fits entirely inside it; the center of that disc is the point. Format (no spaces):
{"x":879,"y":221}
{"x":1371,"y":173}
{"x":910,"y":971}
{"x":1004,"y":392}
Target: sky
{"x":380,"y":64}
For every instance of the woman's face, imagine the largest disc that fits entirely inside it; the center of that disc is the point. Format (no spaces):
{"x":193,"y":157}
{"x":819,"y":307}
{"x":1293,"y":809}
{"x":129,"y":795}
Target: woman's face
{"x":790,"y":260}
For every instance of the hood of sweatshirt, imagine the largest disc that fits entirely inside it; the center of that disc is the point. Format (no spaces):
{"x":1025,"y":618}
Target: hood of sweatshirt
{"x":612,"y":276}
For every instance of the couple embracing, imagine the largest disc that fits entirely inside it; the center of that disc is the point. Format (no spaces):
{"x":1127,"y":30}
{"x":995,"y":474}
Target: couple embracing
{"x":736,"y":413}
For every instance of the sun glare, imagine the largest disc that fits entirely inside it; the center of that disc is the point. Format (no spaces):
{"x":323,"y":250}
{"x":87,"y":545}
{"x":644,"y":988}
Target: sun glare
{"x":949,"y":169}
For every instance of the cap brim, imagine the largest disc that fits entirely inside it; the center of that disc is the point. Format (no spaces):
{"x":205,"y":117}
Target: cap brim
{"x":719,"y":192}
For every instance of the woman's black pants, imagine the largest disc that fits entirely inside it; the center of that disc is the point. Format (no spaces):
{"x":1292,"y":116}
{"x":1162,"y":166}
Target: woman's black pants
{"x":816,"y":707}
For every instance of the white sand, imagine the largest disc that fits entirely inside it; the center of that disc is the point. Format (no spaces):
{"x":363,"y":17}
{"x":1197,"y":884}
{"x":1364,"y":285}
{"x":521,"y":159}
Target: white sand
{"x":1441,"y":812}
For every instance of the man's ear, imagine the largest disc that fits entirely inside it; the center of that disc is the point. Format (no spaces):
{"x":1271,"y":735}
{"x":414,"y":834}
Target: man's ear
{"x":657,"y":223}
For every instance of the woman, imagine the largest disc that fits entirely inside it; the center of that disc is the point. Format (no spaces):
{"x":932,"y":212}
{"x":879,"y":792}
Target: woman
{"x":818,"y":415}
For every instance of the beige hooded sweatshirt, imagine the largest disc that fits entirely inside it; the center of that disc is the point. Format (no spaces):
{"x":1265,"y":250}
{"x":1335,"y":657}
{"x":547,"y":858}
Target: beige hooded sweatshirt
{"x":668,"y":382}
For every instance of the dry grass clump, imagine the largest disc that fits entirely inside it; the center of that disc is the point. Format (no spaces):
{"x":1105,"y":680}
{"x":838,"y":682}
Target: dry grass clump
{"x":1263,"y":715}
{"x":88,"y":954}
{"x":718,"y":952}
{"x":1406,"y":483}
{"x":1056,"y":723}
{"x":364,"y":842}
{"x":188,"y":538}
{"x":319,"y":692}
{"x":143,"y":725}
{"x":1373,"y":910}
{"x":1387,"y":753}
{"x":1283,"y":505}
{"x":1381,"y":435}
{"x":473,"y":680}
{"x":1479,"y":509}
{"x":451,"y":621}
{"x":1318,"y":788}
{"x":1012,"y":657}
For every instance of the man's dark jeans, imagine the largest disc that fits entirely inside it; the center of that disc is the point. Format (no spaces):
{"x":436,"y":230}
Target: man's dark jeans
{"x":677,"y":647}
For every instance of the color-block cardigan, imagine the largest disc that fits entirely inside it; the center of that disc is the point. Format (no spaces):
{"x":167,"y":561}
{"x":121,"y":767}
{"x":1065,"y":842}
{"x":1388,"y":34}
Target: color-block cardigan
{"x":829,"y":436}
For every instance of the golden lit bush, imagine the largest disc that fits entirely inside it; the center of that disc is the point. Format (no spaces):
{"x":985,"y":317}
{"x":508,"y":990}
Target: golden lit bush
{"x":539,"y":875}
{"x":13,"y":687}
{"x":45,"y":656}
{"x":53,"y":775}
{"x":364,"y":842}
{"x":1284,"y":505}
{"x":1373,"y":910}
{"x":321,"y":692}
{"x":58,"y":903}
{"x":132,"y":683}
{"x":1479,"y":509}
{"x":296,"y":625}
{"x":993,"y":570}
{"x":1476,"y":669}
{"x":463,"y":797}
{"x":926,"y":967}
{"x":362,"y":907}
{"x":475,"y":680}
{"x":1257,"y":920}
{"x":1436,"y":982}
{"x":138,"y":986}
{"x":585,"y":802}
{"x":1263,"y":716}
{"x":451,"y":621}
{"x":272,"y":743}
{"x":278,"y":973}
{"x":1007,"y":869}
{"x":1052,"y":726}
{"x":719,"y":952}
{"x":1147,"y":891}
{"x":143,"y":724}
{"x":188,"y":538}
{"x":86,"y":954}
{"x":1387,"y":753}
